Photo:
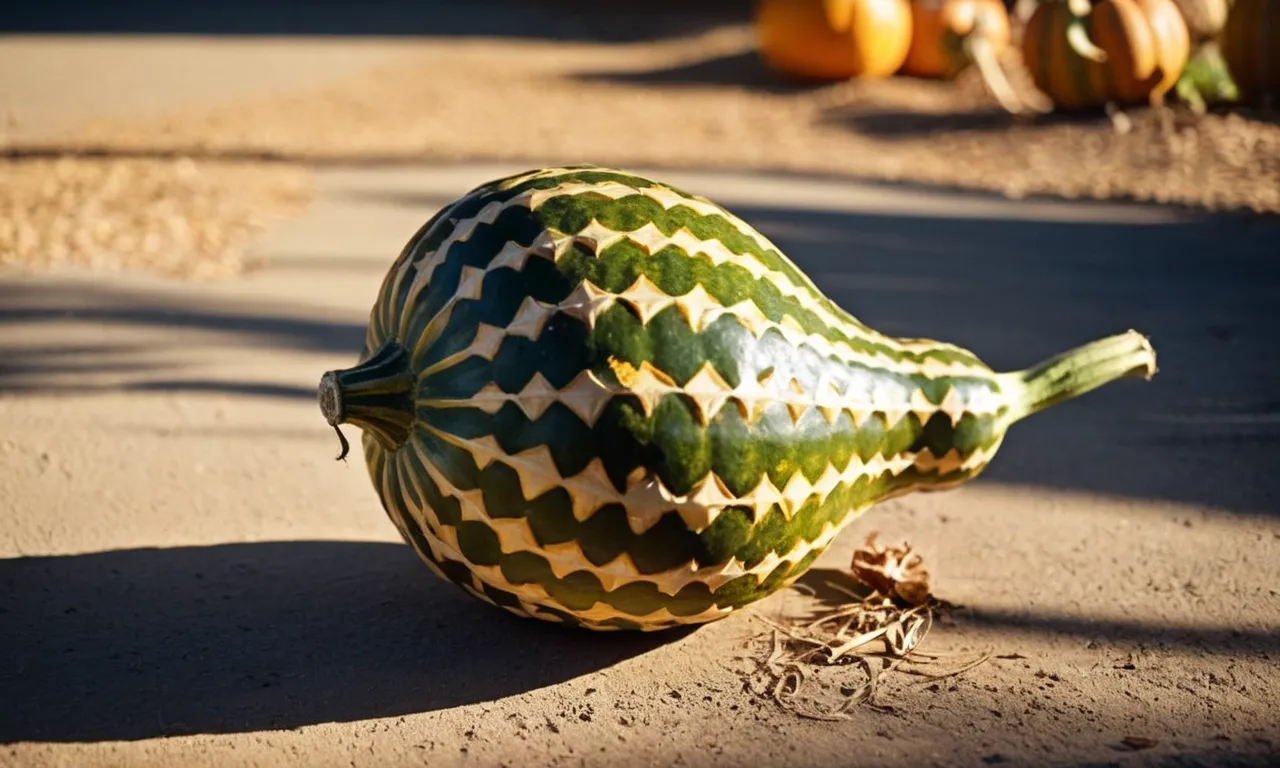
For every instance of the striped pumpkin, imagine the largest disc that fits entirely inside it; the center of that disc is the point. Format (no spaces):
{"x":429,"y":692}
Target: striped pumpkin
{"x":829,"y":40}
{"x":1126,"y":52}
{"x":593,"y":398}
{"x":1250,"y":44}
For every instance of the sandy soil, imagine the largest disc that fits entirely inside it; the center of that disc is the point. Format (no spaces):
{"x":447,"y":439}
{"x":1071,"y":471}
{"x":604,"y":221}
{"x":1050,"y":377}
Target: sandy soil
{"x":707,"y":101}
{"x":173,"y":217}
{"x":190,"y":578}
{"x":193,"y":123}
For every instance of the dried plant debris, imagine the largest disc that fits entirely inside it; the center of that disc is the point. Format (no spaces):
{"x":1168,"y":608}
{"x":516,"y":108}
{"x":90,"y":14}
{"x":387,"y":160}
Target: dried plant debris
{"x":823,"y":666}
{"x":174,"y":217}
{"x":892,"y":571}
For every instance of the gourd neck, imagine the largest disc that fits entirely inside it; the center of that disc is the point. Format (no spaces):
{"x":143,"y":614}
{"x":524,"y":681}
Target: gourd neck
{"x":377,"y":396}
{"x":1076,"y":372}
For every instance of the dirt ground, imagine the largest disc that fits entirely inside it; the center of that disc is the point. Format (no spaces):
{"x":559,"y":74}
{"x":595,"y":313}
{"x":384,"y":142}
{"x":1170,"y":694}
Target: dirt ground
{"x":701,"y":98}
{"x":706,"y":100}
{"x":189,"y":578}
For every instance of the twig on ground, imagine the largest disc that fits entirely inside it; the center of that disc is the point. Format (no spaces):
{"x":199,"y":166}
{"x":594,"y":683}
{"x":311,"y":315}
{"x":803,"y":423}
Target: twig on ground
{"x":875,"y":634}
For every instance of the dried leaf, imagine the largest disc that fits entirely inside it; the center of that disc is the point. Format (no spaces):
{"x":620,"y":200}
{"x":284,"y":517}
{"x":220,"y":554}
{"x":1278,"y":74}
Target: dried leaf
{"x":892,"y":571}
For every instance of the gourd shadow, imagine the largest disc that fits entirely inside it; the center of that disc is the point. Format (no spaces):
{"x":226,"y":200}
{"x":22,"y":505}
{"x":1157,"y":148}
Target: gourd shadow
{"x":140,"y":643}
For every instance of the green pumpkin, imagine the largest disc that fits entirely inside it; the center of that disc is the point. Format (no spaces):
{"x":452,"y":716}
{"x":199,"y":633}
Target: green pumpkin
{"x":593,"y":398}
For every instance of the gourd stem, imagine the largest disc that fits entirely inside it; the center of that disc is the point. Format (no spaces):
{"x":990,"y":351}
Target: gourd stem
{"x":1076,"y":372}
{"x":377,"y":395}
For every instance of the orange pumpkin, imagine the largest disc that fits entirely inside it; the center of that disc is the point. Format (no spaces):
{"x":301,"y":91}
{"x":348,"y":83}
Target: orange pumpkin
{"x":1123,"y":51}
{"x":949,"y":35}
{"x":944,"y":32}
{"x":833,"y":39}
{"x":1250,"y":44}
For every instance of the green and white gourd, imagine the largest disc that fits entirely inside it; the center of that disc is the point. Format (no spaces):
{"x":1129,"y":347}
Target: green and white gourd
{"x":593,"y":398}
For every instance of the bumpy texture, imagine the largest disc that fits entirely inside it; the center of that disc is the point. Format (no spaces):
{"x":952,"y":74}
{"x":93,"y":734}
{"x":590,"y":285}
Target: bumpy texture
{"x":591,"y":397}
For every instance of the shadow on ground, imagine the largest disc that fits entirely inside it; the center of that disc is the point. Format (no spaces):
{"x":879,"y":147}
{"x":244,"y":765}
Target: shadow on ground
{"x":279,"y":635}
{"x":890,"y":123}
{"x":262,"y":636}
{"x":741,"y":69}
{"x":906,"y":124}
{"x":819,"y":582}
{"x":590,"y":20}
{"x":54,"y":369}
{"x":110,"y":306}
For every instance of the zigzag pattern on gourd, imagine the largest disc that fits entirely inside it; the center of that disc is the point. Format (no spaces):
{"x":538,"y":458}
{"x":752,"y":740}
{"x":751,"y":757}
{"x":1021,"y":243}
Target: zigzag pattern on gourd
{"x":591,"y":397}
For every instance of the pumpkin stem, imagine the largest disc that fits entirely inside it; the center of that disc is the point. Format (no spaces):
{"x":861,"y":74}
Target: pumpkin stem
{"x":1078,"y":34}
{"x":1078,"y":371}
{"x":978,"y":49}
{"x":377,"y":395}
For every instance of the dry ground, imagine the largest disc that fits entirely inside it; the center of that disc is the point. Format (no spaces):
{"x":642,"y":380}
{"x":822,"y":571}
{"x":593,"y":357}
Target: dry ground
{"x":702,"y":100}
{"x":190,"y":578}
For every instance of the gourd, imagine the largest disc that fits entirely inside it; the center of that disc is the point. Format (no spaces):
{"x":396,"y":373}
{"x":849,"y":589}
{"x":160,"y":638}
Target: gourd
{"x":950,"y":35}
{"x":1126,"y":52}
{"x":590,"y":397}
{"x":1251,"y":47}
{"x":829,"y":40}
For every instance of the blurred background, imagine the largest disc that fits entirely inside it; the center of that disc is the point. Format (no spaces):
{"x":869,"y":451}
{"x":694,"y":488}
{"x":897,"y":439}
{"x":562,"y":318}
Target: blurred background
{"x":950,"y":93}
{"x":941,"y":92}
